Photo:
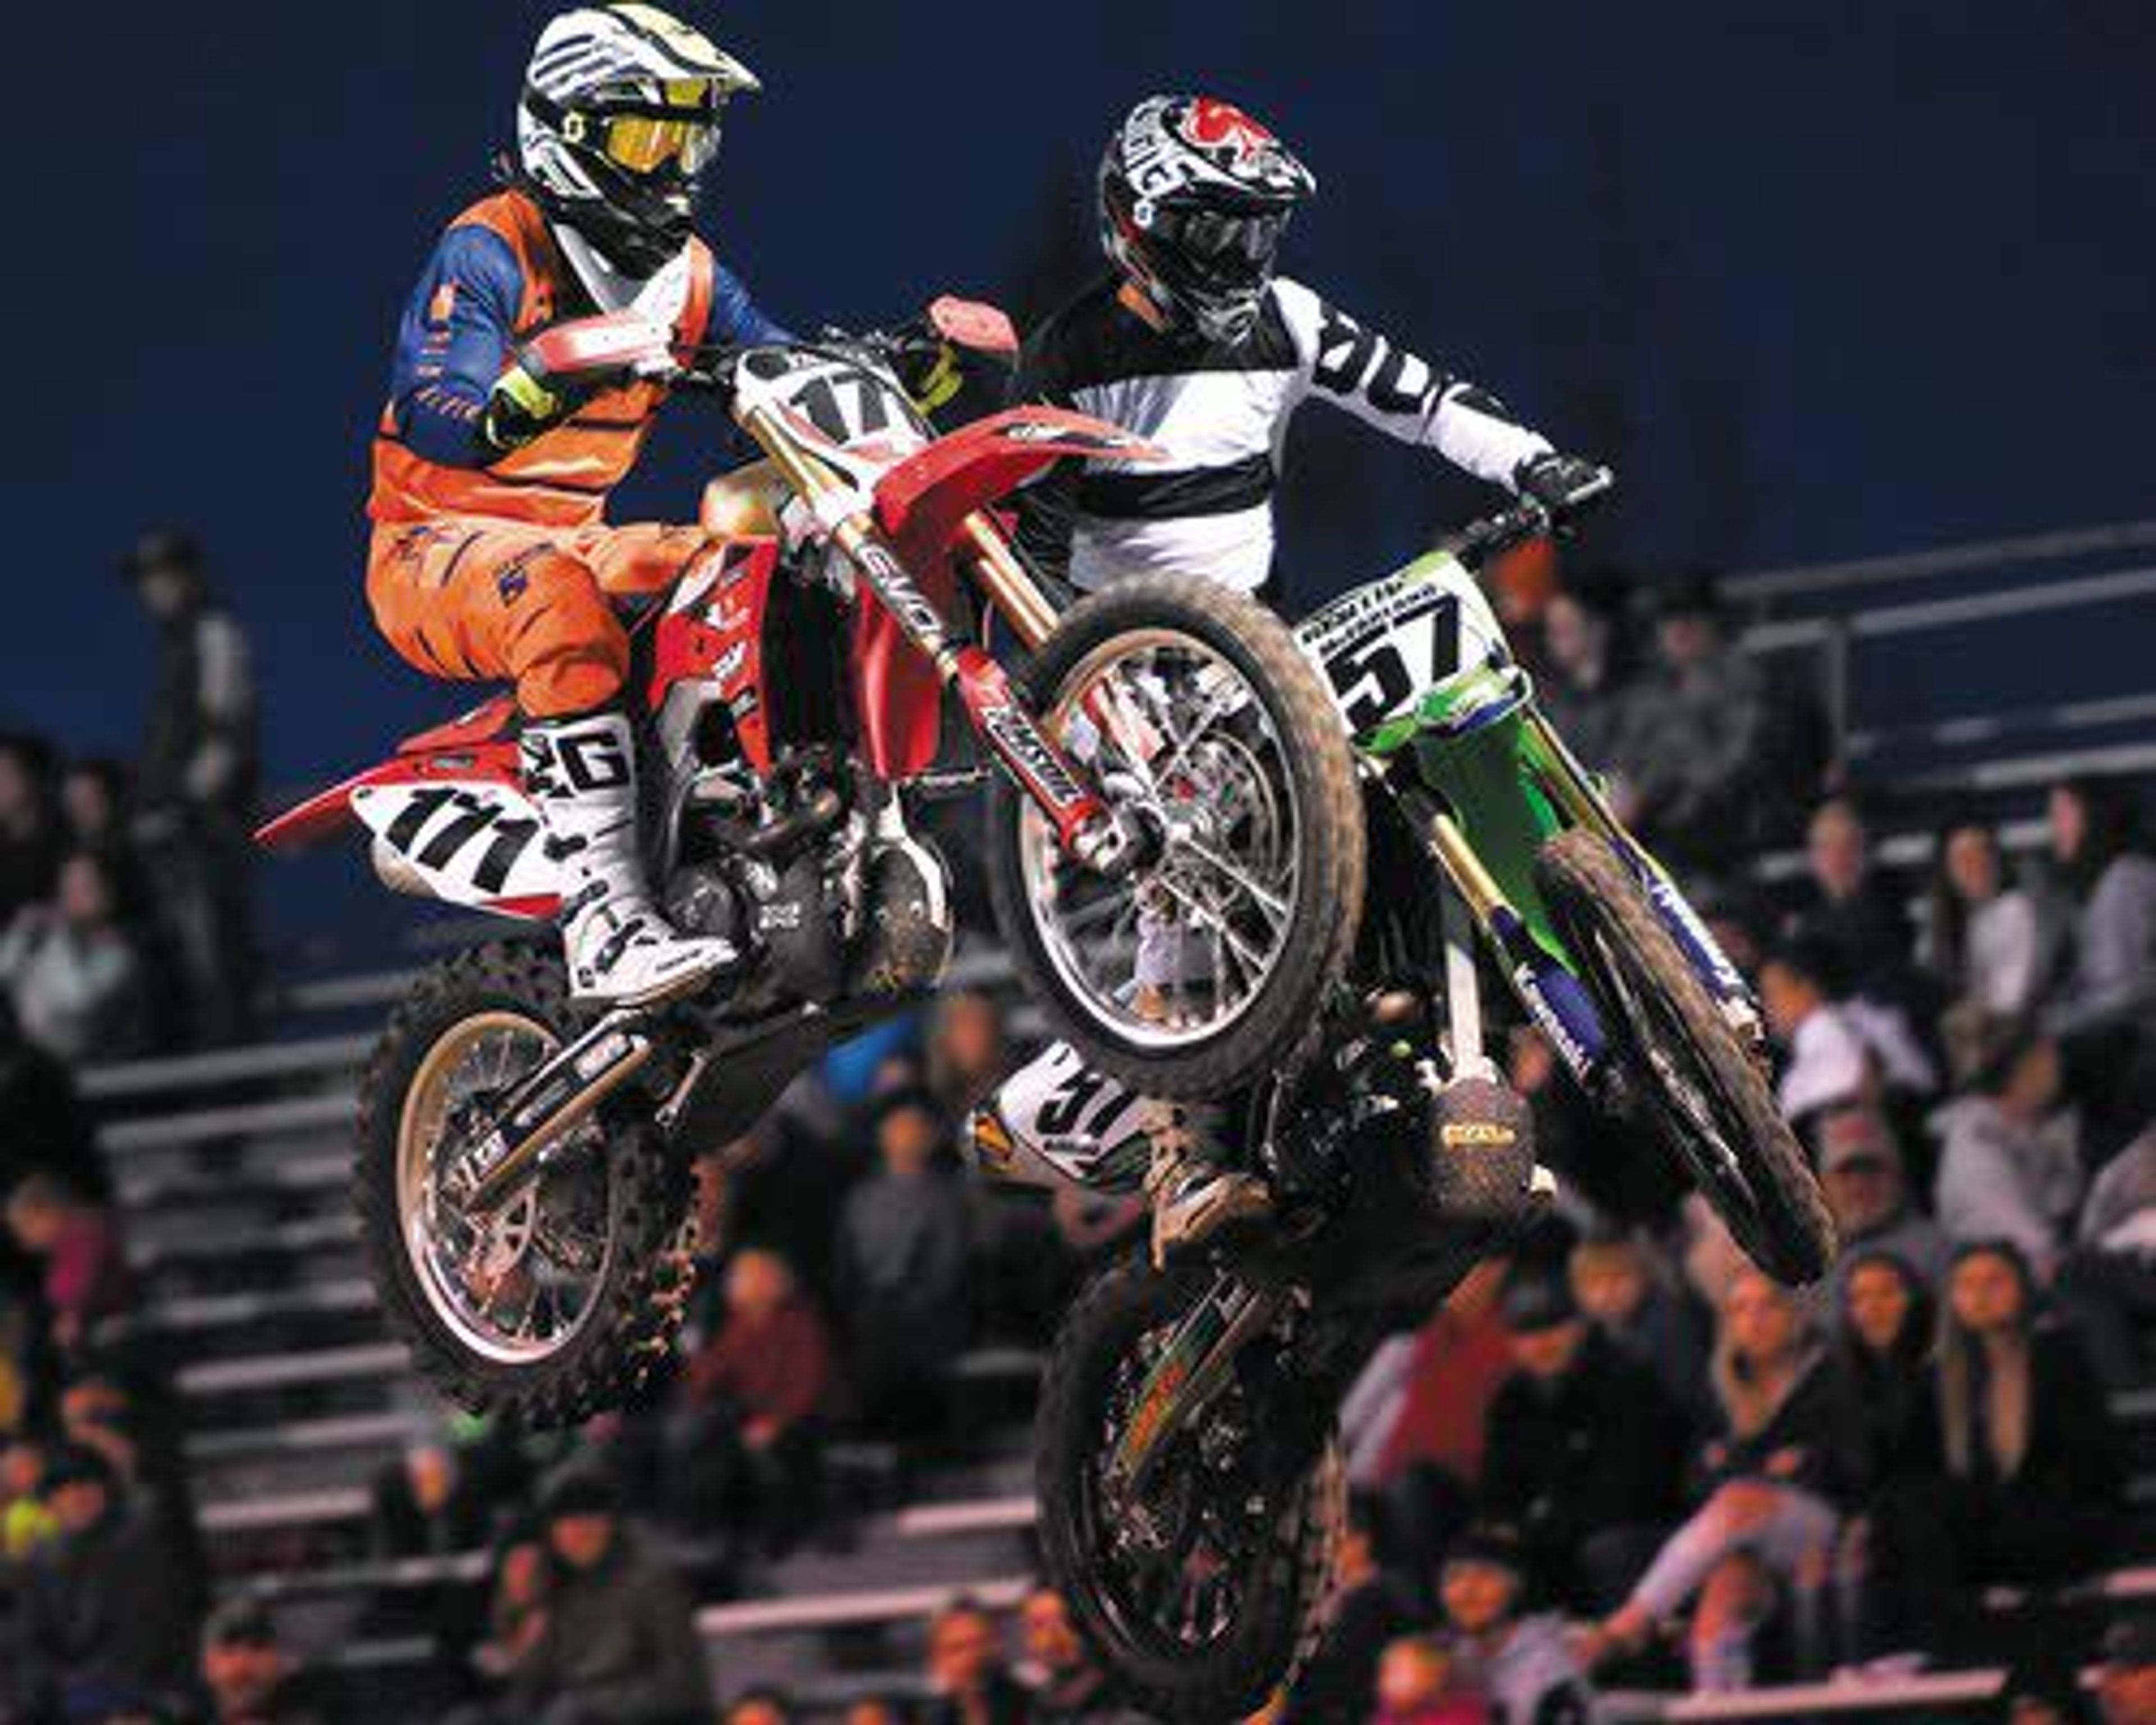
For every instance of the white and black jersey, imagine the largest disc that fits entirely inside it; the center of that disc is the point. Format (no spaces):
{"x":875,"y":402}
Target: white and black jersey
{"x":1220,"y":412}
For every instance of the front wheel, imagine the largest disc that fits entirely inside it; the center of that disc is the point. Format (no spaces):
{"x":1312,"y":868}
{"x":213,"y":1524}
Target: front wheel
{"x":1203,"y":1597}
{"x":1210,"y":962}
{"x":1687,"y":1071}
{"x":557,"y":1305}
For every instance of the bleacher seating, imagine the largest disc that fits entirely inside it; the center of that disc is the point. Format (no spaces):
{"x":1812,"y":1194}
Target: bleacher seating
{"x":232,"y":1167}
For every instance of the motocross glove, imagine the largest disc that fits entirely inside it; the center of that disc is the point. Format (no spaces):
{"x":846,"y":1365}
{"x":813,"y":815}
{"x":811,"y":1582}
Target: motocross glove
{"x":529,"y":398}
{"x":1562,"y":484}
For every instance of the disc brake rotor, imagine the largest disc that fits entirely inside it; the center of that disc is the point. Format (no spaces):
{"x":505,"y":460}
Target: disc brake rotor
{"x":516,"y":1282}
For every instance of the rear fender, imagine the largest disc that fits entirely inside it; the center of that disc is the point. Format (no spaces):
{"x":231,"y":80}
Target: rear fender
{"x":455,"y":827}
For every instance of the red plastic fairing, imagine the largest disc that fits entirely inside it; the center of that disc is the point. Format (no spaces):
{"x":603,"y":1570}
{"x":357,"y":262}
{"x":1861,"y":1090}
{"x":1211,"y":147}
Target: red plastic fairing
{"x":924,"y":500}
{"x":616,"y":341}
{"x":720,"y":636}
{"x":326,"y":811}
{"x":539,"y":908}
{"x":485,"y":723}
{"x":897,"y":696}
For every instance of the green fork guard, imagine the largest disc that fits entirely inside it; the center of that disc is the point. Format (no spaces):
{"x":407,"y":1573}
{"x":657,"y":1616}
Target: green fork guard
{"x":1473,"y":743}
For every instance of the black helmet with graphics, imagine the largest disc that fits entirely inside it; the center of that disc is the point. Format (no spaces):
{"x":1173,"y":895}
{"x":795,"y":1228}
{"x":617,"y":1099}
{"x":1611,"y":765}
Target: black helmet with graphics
{"x":1194,"y":195}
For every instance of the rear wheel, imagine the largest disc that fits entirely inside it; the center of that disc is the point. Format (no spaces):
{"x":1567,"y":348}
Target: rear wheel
{"x":1201,"y":1596}
{"x":1210,"y":962}
{"x":559,"y":1304}
{"x":1686,"y":1069}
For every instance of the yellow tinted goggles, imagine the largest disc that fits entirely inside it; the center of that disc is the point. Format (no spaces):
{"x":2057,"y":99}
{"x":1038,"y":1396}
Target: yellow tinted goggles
{"x":683,"y":128}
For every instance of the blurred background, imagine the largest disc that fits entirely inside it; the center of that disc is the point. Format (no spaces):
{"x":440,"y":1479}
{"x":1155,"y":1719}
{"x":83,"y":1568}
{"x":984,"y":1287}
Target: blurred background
{"x":1856,"y":300}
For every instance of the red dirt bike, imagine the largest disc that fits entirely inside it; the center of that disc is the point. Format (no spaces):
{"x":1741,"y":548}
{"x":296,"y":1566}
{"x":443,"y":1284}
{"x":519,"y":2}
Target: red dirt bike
{"x":522,"y":1165}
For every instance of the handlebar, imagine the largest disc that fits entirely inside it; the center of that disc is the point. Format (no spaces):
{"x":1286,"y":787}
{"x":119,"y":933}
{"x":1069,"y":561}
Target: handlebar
{"x":1478,"y":542}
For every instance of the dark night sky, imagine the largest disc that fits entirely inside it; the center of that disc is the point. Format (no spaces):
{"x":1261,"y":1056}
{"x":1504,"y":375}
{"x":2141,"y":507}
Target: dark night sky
{"x":1836,"y":276}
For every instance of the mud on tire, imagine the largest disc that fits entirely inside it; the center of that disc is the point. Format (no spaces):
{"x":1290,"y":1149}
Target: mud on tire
{"x":635,"y":1307}
{"x":1278,"y":1628}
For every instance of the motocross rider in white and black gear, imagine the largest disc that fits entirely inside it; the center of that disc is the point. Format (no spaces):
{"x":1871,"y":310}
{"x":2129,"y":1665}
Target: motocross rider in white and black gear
{"x":1193,"y":342}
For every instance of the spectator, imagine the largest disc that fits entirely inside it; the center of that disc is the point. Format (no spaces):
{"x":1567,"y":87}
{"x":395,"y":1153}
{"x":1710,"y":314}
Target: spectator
{"x":2045,"y":1690}
{"x":425,"y":1507}
{"x":1522,"y":1665}
{"x":1582,"y":691}
{"x":1585,"y":1450}
{"x":1827,"y":1065}
{"x":1416,"y":1687}
{"x":879,"y":1710}
{"x":247,"y":1678}
{"x":29,"y":837}
{"x":25,"y":1522}
{"x":516,"y":1610}
{"x":1866,"y":1187}
{"x":1861,"y":926}
{"x":101,"y":1411}
{"x":1985,"y":942}
{"x":2031,"y":1491}
{"x":85,"y":1273}
{"x":1886,"y":1438}
{"x":1431,"y":1398}
{"x":2010,"y":1161}
{"x":49,"y":1129}
{"x":1696,"y":740}
{"x":104,"y":1626}
{"x":2126,"y":1681}
{"x":1370,"y":1605}
{"x":1069,"y":1685}
{"x":740,"y":1444}
{"x":967,"y":1056}
{"x":901,"y":1268}
{"x":196,"y":781}
{"x":761,"y":1706}
{"x":786,"y":1187}
{"x":1764,"y":1519}
{"x":1629,"y":1293}
{"x":967,"y":1676}
{"x":2111,"y":981}
{"x":78,"y":981}
{"x":94,"y":800}
{"x":18,"y":1339}
{"x":618,"y":1644}
{"x":2108,"y":1281}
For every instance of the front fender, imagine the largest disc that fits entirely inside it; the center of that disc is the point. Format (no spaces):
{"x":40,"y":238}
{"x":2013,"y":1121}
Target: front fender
{"x":925,"y":501}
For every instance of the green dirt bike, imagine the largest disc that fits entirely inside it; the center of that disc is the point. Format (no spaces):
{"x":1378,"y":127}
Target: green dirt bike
{"x":1188,"y":1473}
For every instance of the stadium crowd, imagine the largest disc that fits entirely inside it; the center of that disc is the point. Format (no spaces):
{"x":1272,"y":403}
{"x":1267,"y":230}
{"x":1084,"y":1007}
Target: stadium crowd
{"x":1619,"y":1457}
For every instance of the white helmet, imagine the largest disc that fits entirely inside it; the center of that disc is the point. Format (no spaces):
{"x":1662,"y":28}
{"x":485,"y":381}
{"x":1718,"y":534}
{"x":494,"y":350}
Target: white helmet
{"x":619,"y":117}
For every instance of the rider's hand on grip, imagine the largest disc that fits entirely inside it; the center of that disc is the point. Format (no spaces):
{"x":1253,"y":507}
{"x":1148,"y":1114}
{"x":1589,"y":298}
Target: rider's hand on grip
{"x":552,"y":375}
{"x":1563,"y":484}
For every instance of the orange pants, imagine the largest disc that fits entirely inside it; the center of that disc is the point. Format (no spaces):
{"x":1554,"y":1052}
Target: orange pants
{"x":484,"y":600}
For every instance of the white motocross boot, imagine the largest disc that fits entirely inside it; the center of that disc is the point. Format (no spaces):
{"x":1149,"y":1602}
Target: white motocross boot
{"x":1194,"y":1193}
{"x":581,"y":772}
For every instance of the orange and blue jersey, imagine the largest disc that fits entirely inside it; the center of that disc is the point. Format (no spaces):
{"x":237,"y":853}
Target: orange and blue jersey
{"x":497,"y":278}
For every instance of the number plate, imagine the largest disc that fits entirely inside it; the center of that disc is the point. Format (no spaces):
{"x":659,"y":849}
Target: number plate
{"x":471,"y":843}
{"x":1383,"y":645}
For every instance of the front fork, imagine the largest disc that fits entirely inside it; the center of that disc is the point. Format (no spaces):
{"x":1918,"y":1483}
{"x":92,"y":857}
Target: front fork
{"x":1551,"y":993}
{"x":1086,"y":827}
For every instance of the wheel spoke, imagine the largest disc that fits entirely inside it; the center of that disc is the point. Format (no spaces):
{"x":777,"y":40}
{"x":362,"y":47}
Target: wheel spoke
{"x":1277,"y":908}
